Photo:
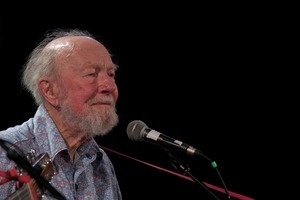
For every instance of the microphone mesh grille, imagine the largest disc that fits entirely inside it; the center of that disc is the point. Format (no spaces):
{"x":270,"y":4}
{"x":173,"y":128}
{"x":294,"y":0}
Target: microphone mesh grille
{"x":135,"y":130}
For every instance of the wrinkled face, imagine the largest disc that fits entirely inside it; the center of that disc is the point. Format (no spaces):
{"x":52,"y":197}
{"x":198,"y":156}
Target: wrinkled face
{"x":87,"y":88}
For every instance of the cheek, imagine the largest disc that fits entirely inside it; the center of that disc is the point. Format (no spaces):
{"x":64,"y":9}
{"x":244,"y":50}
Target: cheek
{"x":79,"y":96}
{"x":77,"y":101}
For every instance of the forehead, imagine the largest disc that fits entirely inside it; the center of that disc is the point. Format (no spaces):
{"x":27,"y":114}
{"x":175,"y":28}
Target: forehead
{"x":72,"y":43}
{"x":79,"y":50}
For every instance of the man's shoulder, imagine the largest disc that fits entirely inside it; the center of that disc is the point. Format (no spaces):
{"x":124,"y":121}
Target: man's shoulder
{"x":18,"y":132}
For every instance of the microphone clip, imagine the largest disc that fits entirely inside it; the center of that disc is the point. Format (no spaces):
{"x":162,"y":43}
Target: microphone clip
{"x":178,"y":163}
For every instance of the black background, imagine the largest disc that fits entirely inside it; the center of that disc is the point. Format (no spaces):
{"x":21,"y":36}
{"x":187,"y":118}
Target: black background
{"x":195,"y":73}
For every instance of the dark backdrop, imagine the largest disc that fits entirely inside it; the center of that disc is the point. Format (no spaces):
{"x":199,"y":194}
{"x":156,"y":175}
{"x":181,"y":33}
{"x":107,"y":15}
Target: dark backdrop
{"x":194,"y":75}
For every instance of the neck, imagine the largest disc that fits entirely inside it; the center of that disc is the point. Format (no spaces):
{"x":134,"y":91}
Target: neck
{"x":72,"y":136}
{"x":73,"y":141}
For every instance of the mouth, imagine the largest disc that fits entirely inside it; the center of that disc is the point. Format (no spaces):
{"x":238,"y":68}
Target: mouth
{"x":102,"y":103}
{"x":105,"y":101}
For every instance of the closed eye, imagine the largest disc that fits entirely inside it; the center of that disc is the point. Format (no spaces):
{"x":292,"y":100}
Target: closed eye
{"x":112,"y":74}
{"x":93,"y":74}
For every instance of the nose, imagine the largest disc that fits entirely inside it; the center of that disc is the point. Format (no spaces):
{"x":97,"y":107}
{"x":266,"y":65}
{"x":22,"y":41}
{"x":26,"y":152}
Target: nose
{"x":106,"y":84}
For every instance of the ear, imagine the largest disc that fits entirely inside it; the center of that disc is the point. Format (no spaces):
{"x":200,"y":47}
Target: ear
{"x":48,"y":90}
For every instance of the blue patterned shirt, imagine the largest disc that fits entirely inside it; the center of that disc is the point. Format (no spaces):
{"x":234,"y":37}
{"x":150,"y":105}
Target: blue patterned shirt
{"x":91,"y":176}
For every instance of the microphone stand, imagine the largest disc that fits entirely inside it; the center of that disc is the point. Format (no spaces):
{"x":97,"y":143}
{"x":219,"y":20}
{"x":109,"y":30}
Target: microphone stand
{"x":15,"y":154}
{"x":182,"y":167}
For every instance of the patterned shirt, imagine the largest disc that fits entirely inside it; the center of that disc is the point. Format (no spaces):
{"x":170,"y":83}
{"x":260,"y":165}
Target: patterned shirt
{"x":91,"y":175}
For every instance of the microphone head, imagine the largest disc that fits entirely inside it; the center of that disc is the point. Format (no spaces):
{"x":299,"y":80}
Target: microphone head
{"x":135,"y":130}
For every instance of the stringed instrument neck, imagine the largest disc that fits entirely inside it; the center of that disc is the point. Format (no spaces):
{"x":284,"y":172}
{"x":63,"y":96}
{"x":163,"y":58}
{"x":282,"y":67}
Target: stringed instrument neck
{"x":31,"y":189}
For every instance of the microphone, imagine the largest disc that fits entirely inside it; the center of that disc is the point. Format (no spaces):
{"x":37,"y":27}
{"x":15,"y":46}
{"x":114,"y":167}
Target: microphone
{"x":139,"y":131}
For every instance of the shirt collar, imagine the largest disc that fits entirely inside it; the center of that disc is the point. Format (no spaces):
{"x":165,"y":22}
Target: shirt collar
{"x":49,"y":139}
